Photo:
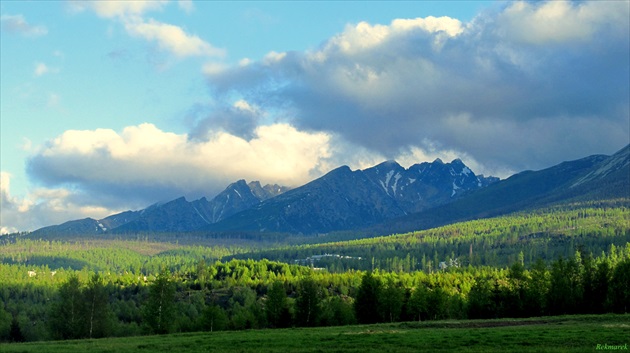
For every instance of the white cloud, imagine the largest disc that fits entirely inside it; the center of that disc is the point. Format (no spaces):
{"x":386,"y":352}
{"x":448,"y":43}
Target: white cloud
{"x":561,"y":21}
{"x":273,"y":57}
{"x":172,"y":38}
{"x":186,"y":5}
{"x":143,"y":162}
{"x":43,"y":69}
{"x":365,"y":36}
{"x":213,"y":68}
{"x":245,"y":61}
{"x":18,"y":25}
{"x":167,"y":36}
{"x":118,"y":9}
{"x":26,"y":145}
{"x":42,"y":207}
{"x":245,"y":106}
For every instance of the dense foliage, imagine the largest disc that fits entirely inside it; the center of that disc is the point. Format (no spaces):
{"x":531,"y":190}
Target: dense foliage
{"x":61,"y":290}
{"x":496,"y":242}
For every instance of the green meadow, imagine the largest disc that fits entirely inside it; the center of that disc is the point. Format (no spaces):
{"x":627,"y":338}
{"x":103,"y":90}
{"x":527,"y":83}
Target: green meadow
{"x":582,"y":333}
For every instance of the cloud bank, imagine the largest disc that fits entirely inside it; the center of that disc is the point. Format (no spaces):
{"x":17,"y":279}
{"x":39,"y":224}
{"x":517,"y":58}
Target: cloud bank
{"x":44,"y":206}
{"x":142,"y":163}
{"x":522,"y":88}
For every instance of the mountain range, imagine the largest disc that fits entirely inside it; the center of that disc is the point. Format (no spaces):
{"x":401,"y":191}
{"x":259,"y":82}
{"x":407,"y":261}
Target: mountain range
{"x":381,"y":199}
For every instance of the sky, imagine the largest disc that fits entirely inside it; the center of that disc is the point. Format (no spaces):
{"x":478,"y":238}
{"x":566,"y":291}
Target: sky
{"x":107,"y":106}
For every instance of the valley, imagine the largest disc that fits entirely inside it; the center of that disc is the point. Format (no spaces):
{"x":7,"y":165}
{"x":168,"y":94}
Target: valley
{"x":314,"y":176}
{"x":530,"y":246}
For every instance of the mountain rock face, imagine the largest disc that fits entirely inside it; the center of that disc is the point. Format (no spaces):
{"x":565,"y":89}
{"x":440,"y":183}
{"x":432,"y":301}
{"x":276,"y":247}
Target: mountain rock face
{"x":340,"y":200}
{"x":345,"y":199}
{"x":615,"y":167}
{"x":425,"y":185}
{"x":86,"y":226}
{"x":237,"y":197}
{"x":592,"y":178}
{"x":180,"y":215}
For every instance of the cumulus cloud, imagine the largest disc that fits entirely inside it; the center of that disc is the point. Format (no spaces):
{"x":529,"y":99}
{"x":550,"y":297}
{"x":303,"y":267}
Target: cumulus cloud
{"x":117,"y":9}
{"x":168,"y":37}
{"x":141,"y":163}
{"x":18,"y":25}
{"x":186,"y":5}
{"x":520,"y":88}
{"x":171,"y":38}
{"x":42,"y":207}
{"x":240,"y":119}
{"x":96,"y":173}
{"x":560,"y":21}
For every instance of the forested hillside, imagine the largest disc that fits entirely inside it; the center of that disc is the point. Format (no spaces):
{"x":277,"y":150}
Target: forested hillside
{"x":498,"y":242}
{"x":563,"y":260}
{"x":239,"y":294}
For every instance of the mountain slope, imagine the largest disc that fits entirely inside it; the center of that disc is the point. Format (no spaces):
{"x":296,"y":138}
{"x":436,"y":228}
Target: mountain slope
{"x":383,"y":199}
{"x":345,"y":199}
{"x":86,"y":226}
{"x":588,"y":179}
{"x":178,"y":215}
{"x":181,"y":216}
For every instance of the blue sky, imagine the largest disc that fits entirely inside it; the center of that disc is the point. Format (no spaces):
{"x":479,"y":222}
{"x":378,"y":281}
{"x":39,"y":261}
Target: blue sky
{"x":107,"y":106}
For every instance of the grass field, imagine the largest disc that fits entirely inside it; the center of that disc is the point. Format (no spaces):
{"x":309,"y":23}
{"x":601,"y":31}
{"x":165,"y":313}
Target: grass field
{"x":550,"y":334}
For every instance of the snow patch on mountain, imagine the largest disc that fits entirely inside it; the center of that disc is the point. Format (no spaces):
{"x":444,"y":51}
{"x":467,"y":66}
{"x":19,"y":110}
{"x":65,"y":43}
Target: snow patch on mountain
{"x":396,"y":178}
{"x":455,"y":188}
{"x":200,"y":215}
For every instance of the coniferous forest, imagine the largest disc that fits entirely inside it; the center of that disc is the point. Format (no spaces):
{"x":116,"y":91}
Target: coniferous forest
{"x":570,"y":259}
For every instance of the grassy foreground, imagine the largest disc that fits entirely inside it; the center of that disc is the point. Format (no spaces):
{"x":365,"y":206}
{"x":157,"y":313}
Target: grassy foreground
{"x":550,"y":334}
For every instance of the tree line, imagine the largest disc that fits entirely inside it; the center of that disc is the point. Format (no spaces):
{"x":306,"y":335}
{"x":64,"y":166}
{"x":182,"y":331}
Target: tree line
{"x":246,"y":294}
{"x":496,"y":242}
